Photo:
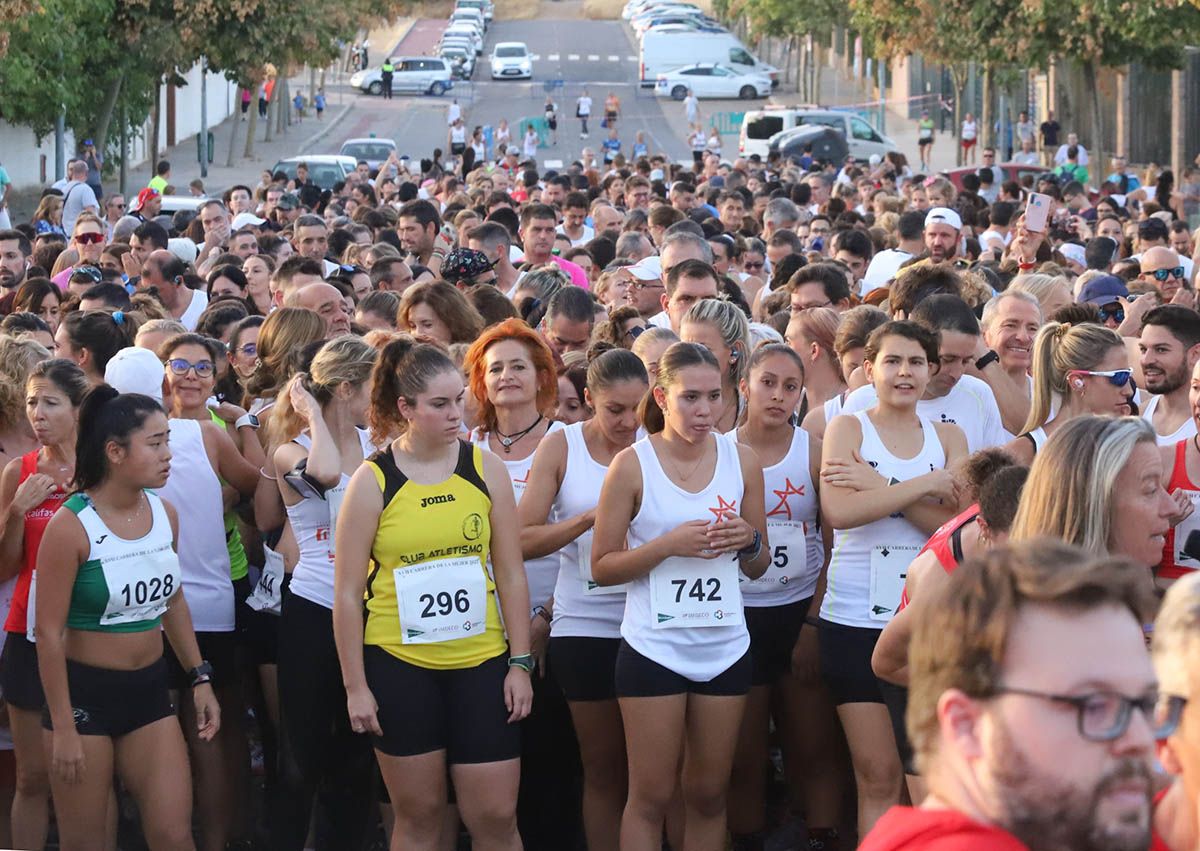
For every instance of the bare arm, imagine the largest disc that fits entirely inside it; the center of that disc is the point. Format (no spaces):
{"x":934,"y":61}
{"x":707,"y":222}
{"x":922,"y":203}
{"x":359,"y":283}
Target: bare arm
{"x":12,"y":533}
{"x":230,"y":465}
{"x":538,"y":536}
{"x":1010,"y":396}
{"x":507,"y":564}
{"x":57,"y":567}
{"x":612,"y":563}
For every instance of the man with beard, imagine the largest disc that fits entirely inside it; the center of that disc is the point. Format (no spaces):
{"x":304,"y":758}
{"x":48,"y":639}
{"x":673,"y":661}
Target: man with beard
{"x":1024,"y":748}
{"x":15,"y":249}
{"x":1169,"y":347}
{"x":942,"y":228}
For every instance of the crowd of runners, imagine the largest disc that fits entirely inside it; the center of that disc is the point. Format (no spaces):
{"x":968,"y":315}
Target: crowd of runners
{"x":614,"y":507}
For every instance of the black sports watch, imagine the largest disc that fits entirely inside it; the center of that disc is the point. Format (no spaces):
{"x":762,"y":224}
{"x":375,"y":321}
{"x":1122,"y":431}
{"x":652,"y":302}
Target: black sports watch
{"x":201,"y":674}
{"x":990,"y":358}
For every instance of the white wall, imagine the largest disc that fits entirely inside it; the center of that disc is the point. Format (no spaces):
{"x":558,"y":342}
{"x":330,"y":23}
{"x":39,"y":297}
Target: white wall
{"x":21,"y":155}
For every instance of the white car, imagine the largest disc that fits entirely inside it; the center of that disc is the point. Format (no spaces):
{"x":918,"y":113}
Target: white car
{"x":633,"y":7}
{"x":511,"y":60}
{"x":709,"y":80}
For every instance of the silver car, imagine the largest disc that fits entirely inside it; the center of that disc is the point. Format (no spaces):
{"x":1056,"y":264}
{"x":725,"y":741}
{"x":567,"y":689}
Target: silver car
{"x":414,"y":74}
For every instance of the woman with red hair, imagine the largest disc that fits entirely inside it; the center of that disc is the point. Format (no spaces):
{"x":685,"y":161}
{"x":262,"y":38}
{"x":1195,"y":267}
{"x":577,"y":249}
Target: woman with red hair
{"x":510,"y":372}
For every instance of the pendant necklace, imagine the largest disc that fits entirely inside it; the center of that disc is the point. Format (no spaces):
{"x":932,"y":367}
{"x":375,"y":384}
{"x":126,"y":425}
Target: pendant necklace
{"x":507,"y":440}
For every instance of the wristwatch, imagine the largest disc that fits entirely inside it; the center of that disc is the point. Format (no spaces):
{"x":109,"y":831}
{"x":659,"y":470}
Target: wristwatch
{"x":990,"y":358}
{"x":246,"y":420}
{"x":201,"y":674}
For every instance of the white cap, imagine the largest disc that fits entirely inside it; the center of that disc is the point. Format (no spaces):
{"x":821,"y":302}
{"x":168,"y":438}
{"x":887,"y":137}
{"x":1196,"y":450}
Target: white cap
{"x":183,"y":248}
{"x":1074,"y":253}
{"x":136,"y":370}
{"x":646,"y":269}
{"x":943,"y":216}
{"x":242,"y":220}
{"x":874,"y":159}
{"x":513,"y":151}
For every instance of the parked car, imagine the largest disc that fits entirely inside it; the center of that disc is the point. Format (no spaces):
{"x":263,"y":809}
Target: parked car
{"x":372,"y":150}
{"x":324,"y":170}
{"x":485,"y":6}
{"x":862,"y":139}
{"x":826,"y":144}
{"x":688,"y":26}
{"x":414,"y":74}
{"x":511,"y":60}
{"x":1008,"y":171}
{"x":469,"y":30}
{"x":709,"y":80}
{"x":662,"y":53}
{"x":673,"y":17}
{"x":175,"y":203}
{"x":635,"y":7}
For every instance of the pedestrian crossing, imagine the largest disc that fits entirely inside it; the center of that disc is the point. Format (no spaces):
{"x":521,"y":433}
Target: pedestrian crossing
{"x":590,"y":57}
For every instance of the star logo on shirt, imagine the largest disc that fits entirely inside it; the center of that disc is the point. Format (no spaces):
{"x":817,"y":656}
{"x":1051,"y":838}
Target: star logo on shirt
{"x":724,"y":510}
{"x":788,"y":490}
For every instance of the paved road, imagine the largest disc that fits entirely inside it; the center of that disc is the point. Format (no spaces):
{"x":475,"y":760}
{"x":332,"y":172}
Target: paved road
{"x":597,"y":55}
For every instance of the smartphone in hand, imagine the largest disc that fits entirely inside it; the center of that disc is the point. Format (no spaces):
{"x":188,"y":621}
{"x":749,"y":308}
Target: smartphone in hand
{"x":1037,"y":212}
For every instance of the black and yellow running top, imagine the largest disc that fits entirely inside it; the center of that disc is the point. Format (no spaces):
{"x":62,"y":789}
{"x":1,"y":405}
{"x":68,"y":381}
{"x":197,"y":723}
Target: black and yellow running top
{"x":426,"y":523}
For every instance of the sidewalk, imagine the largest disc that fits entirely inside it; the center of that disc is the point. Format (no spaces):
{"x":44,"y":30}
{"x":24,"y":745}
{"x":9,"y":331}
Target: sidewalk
{"x":299,"y":137}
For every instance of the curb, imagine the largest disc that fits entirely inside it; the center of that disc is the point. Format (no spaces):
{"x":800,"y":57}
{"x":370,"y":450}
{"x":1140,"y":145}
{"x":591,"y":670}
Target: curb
{"x":334,"y":121}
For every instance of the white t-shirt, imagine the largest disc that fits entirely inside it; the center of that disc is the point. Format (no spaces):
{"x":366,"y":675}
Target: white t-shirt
{"x":969,"y":130}
{"x":660,"y":320}
{"x":77,"y":197}
{"x":970,"y":404}
{"x":1060,"y":156}
{"x":453,"y":113}
{"x":587,"y":236}
{"x":192,"y":315}
{"x":883,"y":268}
{"x":583,"y":106}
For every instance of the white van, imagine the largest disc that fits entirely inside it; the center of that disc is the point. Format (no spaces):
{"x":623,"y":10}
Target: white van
{"x":761,"y":125}
{"x":663,"y":52}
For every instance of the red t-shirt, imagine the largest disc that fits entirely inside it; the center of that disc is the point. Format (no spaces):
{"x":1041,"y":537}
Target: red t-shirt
{"x":909,"y":829}
{"x":1156,"y":841}
{"x":35,"y":528}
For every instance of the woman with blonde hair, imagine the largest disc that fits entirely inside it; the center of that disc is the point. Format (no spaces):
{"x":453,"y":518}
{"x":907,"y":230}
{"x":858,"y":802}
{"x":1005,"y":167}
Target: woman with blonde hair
{"x":1099,"y":483}
{"x":17,"y":360}
{"x":439,"y":311}
{"x":1084,"y":369}
{"x":47,"y":218}
{"x":319,"y":446}
{"x":724,"y":331}
{"x":853,"y":330}
{"x":285,"y":332}
{"x":812,"y":334}
{"x":1052,"y":291}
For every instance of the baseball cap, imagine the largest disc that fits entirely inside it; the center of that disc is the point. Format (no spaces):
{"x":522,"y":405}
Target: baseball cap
{"x":462,"y":264}
{"x":183,"y":248}
{"x":87,"y":143}
{"x":874,"y":159}
{"x":136,"y":370}
{"x":1103,"y":289}
{"x":513,"y":151}
{"x":242,"y":220}
{"x":144,"y":196}
{"x":646,"y":269}
{"x":943,"y":216}
{"x":716,"y":181}
{"x":1073,"y":252}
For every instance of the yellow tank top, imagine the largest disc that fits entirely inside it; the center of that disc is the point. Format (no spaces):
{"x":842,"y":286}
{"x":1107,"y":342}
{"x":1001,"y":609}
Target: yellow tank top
{"x":424,"y":523}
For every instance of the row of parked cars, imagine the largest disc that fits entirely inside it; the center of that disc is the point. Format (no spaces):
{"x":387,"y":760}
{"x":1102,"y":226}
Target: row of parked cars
{"x":682,"y":48}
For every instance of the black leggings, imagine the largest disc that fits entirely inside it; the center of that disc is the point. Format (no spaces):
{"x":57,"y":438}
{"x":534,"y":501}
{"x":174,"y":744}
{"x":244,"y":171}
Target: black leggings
{"x":318,"y":753}
{"x":550,"y":798}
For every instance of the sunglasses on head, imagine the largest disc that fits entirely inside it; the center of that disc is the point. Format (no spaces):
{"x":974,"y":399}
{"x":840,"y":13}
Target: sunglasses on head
{"x":1163,"y":274}
{"x":88,"y":272}
{"x":89,"y":238}
{"x":1116,"y":377}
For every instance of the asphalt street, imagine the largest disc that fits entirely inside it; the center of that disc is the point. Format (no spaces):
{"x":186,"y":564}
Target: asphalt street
{"x":599,"y":56}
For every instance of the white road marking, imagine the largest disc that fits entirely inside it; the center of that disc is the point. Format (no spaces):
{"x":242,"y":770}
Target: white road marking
{"x":534,"y":58}
{"x":631,"y":59}
{"x":592,"y":57}
{"x":572,"y":57}
{"x":553,"y":57}
{"x":552,"y":163}
{"x":614,"y":58}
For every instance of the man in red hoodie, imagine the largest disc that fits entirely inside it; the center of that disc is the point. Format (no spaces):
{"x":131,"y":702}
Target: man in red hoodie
{"x":1031,"y":708}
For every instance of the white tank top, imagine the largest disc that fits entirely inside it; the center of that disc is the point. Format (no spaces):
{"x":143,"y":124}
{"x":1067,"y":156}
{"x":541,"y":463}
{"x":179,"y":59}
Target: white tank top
{"x":1185,"y":431}
{"x":581,"y":607}
{"x":686,"y":614}
{"x":1038,"y":438}
{"x":540,"y":573}
{"x":313,"y":521}
{"x":791,"y":506}
{"x":869,"y":563}
{"x":833,"y":407}
{"x":195,"y":491}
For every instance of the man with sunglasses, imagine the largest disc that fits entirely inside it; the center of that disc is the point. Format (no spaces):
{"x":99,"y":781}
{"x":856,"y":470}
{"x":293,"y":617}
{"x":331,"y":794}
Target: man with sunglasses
{"x":1164,"y":270}
{"x":164,"y":271}
{"x":1108,"y":293}
{"x":1024,"y":748}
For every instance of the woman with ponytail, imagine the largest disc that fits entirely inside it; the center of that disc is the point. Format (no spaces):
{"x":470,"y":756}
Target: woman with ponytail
{"x":1084,"y":369}
{"x":429,"y":673}
{"x":723,"y":329}
{"x":557,"y":514}
{"x":680,"y":515}
{"x":315,"y":427}
{"x":106,"y":596}
{"x":90,"y":338}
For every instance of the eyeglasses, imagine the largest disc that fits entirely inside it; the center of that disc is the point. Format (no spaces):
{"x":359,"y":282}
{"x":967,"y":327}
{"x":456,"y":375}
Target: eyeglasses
{"x":1163,"y":274}
{"x":1116,"y":377}
{"x":1115,"y":313}
{"x":748,"y":265}
{"x":89,"y":238}
{"x":634,"y":332}
{"x":248,"y":350}
{"x":646,"y":285}
{"x":1104,"y":716}
{"x":800,"y":308}
{"x":118,"y":206}
{"x":181,"y":367}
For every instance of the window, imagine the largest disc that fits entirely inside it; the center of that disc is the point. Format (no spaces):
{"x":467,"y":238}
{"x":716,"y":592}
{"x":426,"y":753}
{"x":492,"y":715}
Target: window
{"x":407,"y":65}
{"x":738,"y":56}
{"x":697,"y":72}
{"x":834,"y":121}
{"x":511,"y":52}
{"x":722,"y":72}
{"x":860,"y":129}
{"x":764,"y":127}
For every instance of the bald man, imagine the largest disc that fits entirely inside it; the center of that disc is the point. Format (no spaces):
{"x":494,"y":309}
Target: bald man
{"x":326,"y":301}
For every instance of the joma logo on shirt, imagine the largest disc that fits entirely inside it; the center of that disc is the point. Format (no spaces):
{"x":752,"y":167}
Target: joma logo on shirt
{"x":437,"y":500}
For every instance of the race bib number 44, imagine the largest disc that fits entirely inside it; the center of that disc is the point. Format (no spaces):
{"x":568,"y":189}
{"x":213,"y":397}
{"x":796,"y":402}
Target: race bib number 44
{"x":441,"y":600}
{"x":889,"y":570}
{"x":692,"y":592}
